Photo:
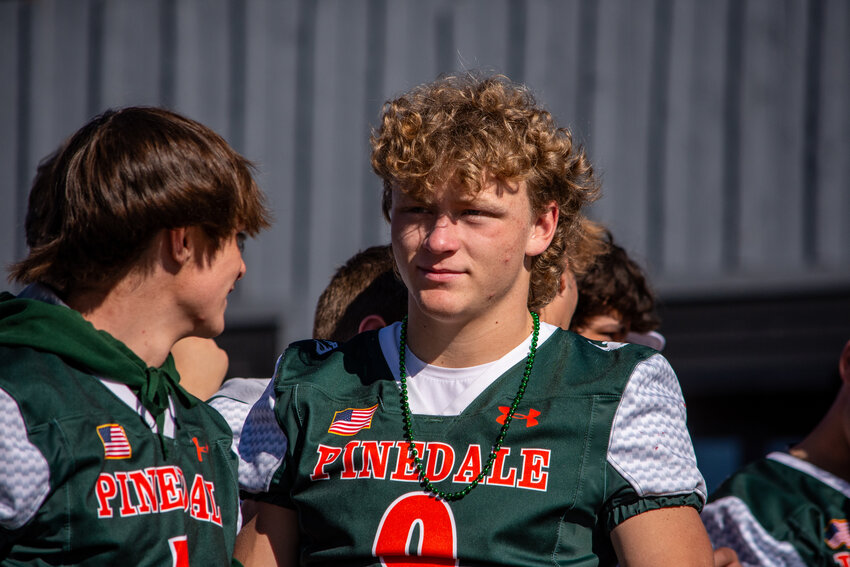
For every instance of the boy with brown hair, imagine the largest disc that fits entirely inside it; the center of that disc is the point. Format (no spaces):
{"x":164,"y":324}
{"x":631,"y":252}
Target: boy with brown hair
{"x":135,"y":228}
{"x":470,"y":433}
{"x":363,"y":294}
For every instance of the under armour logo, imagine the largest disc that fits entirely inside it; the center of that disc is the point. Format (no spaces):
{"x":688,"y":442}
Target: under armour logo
{"x":201,"y":450}
{"x":530,"y":420}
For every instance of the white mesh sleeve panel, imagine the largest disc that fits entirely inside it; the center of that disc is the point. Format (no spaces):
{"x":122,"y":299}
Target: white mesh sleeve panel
{"x":730,"y":523}
{"x":650,"y":445}
{"x":235,"y":399}
{"x":24,"y":472}
{"x":262,"y":444}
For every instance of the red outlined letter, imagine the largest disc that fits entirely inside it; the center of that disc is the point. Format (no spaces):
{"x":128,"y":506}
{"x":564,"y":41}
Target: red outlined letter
{"x":127,"y":507}
{"x":179,"y":551}
{"x":105,"y":490}
{"x":375,"y":462}
{"x":498,"y":476}
{"x":534,"y":473}
{"x":327,"y":455}
{"x":405,"y":470}
{"x":437,"y":542}
{"x":348,"y":470}
{"x":443,"y":454}
{"x":471,"y":466}
{"x":198,"y":506}
{"x":145,"y":491}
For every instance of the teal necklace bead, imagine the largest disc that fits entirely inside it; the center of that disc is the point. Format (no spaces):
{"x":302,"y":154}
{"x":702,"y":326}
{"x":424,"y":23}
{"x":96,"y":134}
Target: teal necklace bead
{"x":408,"y":427}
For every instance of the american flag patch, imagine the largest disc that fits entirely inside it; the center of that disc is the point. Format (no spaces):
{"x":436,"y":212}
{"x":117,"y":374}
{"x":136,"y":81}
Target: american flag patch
{"x":837,"y":534}
{"x":115,"y":442}
{"x":350,"y":421}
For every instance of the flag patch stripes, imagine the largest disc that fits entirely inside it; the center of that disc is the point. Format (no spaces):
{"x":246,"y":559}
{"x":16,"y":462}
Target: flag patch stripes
{"x":351,"y":420}
{"x":115,"y":442}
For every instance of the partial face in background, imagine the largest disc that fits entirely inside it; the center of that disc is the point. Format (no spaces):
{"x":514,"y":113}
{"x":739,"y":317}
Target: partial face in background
{"x":608,"y":327}
{"x":462,"y":255}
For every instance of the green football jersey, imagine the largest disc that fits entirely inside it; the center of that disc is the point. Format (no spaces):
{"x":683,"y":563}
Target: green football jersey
{"x":561,"y":482}
{"x":85,"y":478}
{"x":104,"y":489}
{"x":782,"y":511}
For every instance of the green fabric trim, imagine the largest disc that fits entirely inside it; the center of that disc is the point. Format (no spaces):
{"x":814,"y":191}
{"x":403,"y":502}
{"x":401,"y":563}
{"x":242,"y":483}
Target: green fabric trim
{"x":623,"y":511}
{"x":62,"y":331}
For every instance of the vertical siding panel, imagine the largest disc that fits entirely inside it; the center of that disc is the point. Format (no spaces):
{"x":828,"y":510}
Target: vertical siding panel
{"x":552,"y":58}
{"x":305,"y":111}
{"x":373,"y":226}
{"x":14,"y":64}
{"x":130,"y":57}
{"x":656,"y":136}
{"x":340,"y":139}
{"x":621,"y":116}
{"x":695,"y":142}
{"x":771,"y":150}
{"x":411,"y":51}
{"x":833,"y":156}
{"x":203,"y":63}
{"x":479,"y":32}
{"x":270,"y":140}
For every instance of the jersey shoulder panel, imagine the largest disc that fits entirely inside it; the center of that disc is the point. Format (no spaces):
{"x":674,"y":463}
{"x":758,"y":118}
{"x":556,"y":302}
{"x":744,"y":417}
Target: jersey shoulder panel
{"x":25,"y":482}
{"x":650,"y":444}
{"x":337,"y":371}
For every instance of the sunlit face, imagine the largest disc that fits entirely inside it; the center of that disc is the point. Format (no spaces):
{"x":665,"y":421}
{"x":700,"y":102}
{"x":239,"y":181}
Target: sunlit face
{"x":608,"y":327}
{"x":210,"y":276}
{"x":462,"y":255}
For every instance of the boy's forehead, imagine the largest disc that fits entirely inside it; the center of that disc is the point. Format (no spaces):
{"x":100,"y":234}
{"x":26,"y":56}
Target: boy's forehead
{"x":453,"y":189}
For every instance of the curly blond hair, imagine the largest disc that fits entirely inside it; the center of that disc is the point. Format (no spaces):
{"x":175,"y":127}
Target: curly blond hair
{"x":468,"y":126}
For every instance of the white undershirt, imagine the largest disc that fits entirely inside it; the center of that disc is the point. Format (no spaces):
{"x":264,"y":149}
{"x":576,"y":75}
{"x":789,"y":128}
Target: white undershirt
{"x":436,"y":390}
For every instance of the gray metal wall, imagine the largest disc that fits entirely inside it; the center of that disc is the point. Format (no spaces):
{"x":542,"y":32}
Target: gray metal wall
{"x":721,"y":127}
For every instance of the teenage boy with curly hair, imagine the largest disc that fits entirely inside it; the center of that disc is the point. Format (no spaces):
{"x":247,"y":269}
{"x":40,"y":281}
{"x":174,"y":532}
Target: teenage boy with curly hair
{"x":470,"y":433}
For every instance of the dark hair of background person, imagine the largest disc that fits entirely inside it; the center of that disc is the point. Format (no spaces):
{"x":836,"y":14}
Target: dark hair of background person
{"x":365,"y":285}
{"x":615,"y":283}
{"x":99,"y":200}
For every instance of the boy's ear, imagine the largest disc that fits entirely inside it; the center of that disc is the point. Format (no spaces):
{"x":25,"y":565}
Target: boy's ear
{"x":179,"y":244}
{"x":371,"y":322}
{"x":844,"y":364}
{"x":543,"y":230}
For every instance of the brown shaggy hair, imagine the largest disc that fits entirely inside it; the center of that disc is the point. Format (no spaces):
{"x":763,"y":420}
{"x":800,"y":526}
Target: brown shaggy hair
{"x":616,"y":283}
{"x":367,"y":284}
{"x":96,"y":203}
{"x":467,"y":126}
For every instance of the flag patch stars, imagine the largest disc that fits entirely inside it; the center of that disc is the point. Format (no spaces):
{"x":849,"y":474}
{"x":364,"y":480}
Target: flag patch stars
{"x":350,"y":421}
{"x":115,"y":442}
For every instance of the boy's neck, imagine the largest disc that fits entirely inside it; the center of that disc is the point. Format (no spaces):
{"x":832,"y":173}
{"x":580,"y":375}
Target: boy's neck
{"x":828,"y":446}
{"x":134,"y":313}
{"x":460,"y":344}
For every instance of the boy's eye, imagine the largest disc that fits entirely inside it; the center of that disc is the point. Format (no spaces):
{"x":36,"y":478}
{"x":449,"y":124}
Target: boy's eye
{"x":473,"y":212}
{"x":240,"y":241}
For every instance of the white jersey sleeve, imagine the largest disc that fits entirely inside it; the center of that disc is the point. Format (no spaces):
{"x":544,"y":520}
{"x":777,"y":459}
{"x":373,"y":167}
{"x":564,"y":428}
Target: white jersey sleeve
{"x":650,"y":445}
{"x":262,"y":444}
{"x":235,"y":399}
{"x":24,"y":472}
{"x":730,"y":523}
